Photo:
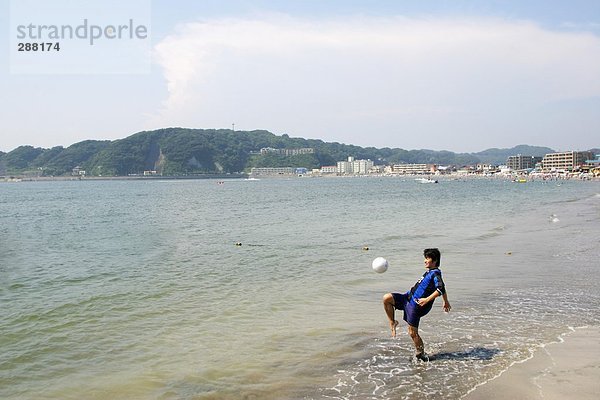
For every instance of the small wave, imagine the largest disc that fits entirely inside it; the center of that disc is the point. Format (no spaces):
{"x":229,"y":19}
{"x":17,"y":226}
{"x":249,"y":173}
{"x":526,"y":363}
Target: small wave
{"x":17,"y":285}
{"x":492,"y":233}
{"x":487,"y":235}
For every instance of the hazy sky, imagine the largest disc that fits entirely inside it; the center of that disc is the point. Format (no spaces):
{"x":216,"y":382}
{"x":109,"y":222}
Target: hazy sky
{"x":450,"y":75}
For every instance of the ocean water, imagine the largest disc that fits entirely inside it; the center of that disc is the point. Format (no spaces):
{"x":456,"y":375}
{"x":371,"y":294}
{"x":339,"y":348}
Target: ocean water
{"x":137,"y":289}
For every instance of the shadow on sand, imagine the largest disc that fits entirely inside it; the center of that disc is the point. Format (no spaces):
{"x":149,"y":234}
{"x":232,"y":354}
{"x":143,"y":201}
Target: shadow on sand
{"x":478,"y":353}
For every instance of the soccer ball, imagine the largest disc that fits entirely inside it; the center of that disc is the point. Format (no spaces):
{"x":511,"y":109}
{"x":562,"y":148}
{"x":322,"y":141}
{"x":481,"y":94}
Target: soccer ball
{"x":380,"y":265}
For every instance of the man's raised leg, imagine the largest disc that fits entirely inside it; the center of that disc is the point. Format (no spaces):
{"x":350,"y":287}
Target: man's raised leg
{"x":389,"y":307}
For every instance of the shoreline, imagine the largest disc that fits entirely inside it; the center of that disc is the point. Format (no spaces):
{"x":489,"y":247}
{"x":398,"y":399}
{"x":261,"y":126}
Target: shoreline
{"x":558,"y":370}
{"x":119,"y":178}
{"x":443,"y":177}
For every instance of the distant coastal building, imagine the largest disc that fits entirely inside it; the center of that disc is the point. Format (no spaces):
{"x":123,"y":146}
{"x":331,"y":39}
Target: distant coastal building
{"x":520,"y":162}
{"x":485,"y":168}
{"x":354,"y":167}
{"x":274,"y":171}
{"x":593,"y":166}
{"x":361,"y":166}
{"x":329,"y":169}
{"x":78,"y":171}
{"x":344,"y":167}
{"x":287,"y":152}
{"x":594,"y":163}
{"x":412,"y":169}
{"x":565,"y":161}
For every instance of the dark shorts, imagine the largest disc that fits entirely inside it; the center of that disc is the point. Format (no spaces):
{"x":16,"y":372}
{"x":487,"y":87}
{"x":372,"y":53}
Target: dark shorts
{"x":412,"y":311}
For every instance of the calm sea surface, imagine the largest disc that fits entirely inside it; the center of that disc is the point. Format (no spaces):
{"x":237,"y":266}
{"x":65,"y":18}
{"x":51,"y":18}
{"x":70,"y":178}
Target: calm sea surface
{"x":136,"y":289}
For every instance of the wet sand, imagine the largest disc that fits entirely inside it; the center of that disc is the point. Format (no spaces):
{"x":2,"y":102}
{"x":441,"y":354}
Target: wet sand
{"x":565,"y":370}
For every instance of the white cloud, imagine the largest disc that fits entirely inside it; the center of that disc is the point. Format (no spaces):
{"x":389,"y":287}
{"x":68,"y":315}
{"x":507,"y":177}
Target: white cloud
{"x":376,"y":81}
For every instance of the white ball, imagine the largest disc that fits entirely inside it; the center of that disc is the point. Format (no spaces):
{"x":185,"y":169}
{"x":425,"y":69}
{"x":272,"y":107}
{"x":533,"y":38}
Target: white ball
{"x":380,"y":265}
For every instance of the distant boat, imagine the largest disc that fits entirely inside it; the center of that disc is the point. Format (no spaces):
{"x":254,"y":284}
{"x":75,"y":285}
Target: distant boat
{"x":426,"y":180}
{"x":252,"y":179}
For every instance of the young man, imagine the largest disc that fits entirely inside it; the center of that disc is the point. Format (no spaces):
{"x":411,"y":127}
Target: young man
{"x":417,"y":302}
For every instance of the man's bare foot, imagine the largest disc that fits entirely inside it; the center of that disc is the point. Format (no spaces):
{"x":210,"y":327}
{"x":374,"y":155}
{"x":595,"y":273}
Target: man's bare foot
{"x":393,"y":326}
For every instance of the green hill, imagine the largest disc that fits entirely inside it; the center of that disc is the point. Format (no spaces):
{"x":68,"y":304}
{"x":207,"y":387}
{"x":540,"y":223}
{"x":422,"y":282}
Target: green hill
{"x":179,"y":151}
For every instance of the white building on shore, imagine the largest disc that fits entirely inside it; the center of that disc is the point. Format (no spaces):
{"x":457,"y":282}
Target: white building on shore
{"x":565,"y":161}
{"x":287,"y":152}
{"x":354,"y":167}
{"x":413,"y":169}
{"x":273,"y":171}
{"x":329,"y":169}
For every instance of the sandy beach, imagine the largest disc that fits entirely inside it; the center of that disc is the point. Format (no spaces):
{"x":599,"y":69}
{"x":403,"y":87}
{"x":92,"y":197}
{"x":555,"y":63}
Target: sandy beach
{"x":564,"y":370}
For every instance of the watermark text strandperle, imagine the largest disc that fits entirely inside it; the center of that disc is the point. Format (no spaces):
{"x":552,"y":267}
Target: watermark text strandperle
{"x":87,"y":31}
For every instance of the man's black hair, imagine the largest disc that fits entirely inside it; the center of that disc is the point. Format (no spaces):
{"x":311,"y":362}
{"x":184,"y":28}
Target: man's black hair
{"x":434,"y":254}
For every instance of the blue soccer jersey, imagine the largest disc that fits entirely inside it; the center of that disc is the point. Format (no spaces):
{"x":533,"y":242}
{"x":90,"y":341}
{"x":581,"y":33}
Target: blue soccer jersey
{"x":429,"y":283}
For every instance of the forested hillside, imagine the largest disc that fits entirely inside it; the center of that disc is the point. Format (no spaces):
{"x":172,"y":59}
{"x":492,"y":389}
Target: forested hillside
{"x":179,"y":151}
